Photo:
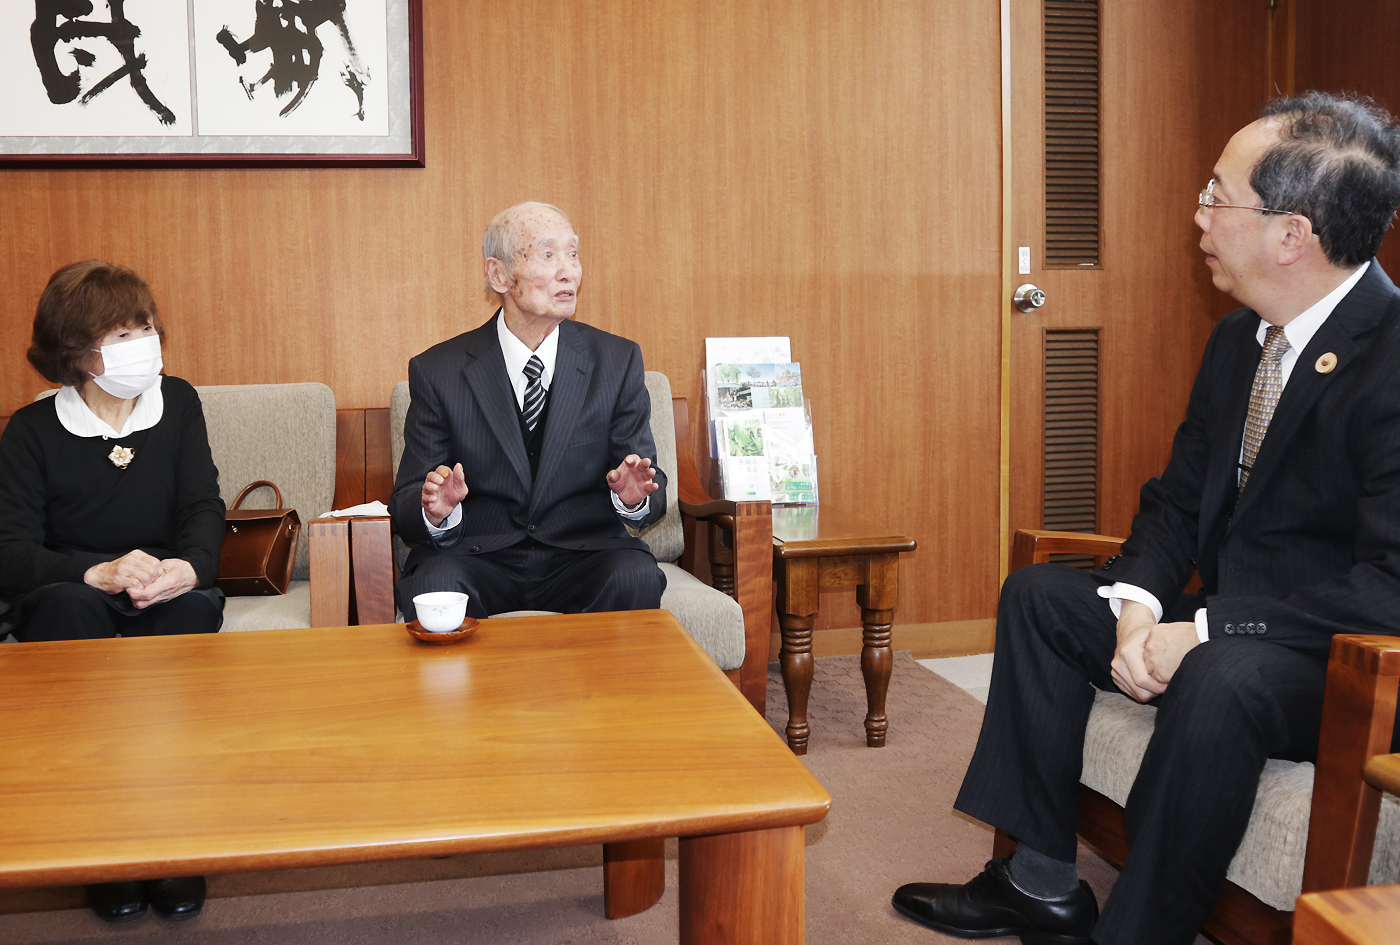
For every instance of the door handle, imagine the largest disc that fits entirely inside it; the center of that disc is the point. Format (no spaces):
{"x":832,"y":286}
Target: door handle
{"x":1028,"y":298}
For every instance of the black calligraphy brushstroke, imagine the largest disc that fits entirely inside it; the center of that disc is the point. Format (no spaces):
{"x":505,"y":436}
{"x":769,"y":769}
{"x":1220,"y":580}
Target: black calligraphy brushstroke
{"x":47,"y":32}
{"x":296,"y":52}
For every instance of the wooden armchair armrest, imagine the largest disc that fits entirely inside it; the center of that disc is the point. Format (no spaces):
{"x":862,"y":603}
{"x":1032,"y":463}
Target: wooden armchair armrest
{"x":372,"y":569}
{"x":1382,"y":772}
{"x":1358,"y":719}
{"x":741,"y":555}
{"x":329,"y":545}
{"x":1029,"y":546}
{"x":352,"y":571}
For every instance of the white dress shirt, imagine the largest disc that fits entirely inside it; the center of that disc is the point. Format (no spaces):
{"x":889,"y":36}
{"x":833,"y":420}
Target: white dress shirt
{"x":1299,"y":332}
{"x":517,"y":354}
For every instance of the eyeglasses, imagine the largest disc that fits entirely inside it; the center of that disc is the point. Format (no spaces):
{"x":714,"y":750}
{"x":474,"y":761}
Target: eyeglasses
{"x":1208,"y":201}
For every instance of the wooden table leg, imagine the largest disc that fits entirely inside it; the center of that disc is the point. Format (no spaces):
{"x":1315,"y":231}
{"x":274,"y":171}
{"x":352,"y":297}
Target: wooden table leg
{"x":743,"y":888}
{"x":797,"y":608}
{"x":634,"y":876}
{"x":877,"y":600}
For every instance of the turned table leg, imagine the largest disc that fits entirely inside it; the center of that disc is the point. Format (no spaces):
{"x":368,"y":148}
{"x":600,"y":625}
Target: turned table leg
{"x":743,"y":888}
{"x":634,"y":876}
{"x":797,"y":608}
{"x":877,"y":600}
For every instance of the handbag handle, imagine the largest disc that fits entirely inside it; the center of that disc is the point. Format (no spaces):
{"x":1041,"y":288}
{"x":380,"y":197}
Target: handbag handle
{"x":238,"y":502}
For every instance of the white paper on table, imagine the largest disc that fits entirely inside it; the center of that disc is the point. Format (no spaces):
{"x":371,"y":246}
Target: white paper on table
{"x":369,"y":508}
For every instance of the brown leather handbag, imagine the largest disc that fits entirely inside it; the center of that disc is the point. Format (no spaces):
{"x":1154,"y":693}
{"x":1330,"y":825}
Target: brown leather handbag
{"x":260,"y":547}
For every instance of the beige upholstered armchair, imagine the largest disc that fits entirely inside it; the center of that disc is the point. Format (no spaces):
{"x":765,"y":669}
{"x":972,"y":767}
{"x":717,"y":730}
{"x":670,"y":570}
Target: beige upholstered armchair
{"x":732,"y":623}
{"x":284,"y":433}
{"x":1312,"y":826}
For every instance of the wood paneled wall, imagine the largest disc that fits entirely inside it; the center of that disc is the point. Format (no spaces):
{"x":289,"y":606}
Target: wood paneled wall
{"x":1349,"y":46}
{"x":824,"y":171}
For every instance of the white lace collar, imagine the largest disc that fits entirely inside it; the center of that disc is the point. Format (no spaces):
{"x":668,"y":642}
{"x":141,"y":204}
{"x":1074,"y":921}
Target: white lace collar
{"x":78,"y":419}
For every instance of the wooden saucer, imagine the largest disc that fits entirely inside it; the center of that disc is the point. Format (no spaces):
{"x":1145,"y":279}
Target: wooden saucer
{"x":467,"y":629}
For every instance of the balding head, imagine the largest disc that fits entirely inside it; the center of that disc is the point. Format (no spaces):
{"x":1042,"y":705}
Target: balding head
{"x":512,"y":232}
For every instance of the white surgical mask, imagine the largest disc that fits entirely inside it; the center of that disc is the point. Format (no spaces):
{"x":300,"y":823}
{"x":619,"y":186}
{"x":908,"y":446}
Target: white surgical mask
{"x":130,"y":368}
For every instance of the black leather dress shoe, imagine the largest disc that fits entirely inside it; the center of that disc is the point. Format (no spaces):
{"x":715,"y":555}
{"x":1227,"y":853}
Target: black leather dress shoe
{"x":989,"y":905}
{"x":117,"y":902}
{"x":177,"y":899}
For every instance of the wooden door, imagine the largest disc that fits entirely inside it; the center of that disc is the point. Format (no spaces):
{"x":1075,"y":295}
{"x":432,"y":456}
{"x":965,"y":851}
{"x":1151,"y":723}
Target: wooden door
{"x":1114,"y":115}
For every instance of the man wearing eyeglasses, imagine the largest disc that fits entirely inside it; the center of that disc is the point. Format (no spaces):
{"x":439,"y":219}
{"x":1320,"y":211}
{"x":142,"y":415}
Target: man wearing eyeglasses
{"x":1283,"y":491}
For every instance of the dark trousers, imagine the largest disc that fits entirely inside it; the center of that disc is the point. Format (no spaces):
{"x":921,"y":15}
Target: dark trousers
{"x":1232,"y":704}
{"x":536,"y":577}
{"x":74,"y":611}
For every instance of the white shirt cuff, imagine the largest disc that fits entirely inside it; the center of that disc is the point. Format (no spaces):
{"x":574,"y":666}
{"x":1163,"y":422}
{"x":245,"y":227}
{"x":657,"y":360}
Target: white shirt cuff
{"x":1120,"y":592}
{"x":640,"y":512}
{"x":1202,"y":627}
{"x":453,"y":519}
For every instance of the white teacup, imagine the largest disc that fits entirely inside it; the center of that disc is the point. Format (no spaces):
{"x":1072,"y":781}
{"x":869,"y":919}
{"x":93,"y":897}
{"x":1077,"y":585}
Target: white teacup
{"x":441,"y":611}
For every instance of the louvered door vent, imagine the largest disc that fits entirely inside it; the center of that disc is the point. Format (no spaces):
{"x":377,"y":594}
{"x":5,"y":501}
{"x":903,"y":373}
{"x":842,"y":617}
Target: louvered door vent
{"x":1071,"y":133}
{"x":1071,"y":480}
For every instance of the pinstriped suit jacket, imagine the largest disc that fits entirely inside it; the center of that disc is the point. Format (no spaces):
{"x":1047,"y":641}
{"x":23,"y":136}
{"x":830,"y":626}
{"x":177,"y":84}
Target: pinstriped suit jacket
{"x":463,"y":410}
{"x":1311,"y":546}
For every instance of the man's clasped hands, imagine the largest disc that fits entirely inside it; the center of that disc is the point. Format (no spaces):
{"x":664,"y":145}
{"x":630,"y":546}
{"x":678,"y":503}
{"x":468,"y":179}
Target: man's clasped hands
{"x":1148,"y":652}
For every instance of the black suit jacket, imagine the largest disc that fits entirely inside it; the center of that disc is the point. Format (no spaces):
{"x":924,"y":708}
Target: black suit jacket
{"x":463,"y":410}
{"x":1311,"y":546}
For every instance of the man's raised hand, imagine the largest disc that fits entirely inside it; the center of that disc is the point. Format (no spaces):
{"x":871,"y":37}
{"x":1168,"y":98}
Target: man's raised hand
{"x":443,"y":490}
{"x":632,"y":480}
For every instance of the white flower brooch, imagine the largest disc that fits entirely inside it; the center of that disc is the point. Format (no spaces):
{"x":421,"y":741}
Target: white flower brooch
{"x":121,"y":456}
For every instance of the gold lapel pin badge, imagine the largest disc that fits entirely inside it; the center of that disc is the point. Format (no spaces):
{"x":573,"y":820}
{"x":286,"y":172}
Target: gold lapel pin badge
{"x":1326,"y":363}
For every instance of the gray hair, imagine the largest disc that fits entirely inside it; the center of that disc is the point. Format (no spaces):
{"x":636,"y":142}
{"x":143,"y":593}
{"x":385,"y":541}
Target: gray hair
{"x":502,"y":239}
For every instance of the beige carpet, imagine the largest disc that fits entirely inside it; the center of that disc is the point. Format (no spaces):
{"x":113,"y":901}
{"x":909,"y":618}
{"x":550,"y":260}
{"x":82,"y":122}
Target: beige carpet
{"x":891,"y":822}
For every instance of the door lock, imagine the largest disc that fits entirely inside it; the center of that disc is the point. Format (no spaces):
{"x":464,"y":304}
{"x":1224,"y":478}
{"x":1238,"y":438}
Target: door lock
{"x":1028,"y":298}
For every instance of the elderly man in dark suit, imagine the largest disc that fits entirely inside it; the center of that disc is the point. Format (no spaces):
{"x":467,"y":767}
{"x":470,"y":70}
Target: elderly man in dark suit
{"x":1283,"y":490}
{"x":527,"y":445}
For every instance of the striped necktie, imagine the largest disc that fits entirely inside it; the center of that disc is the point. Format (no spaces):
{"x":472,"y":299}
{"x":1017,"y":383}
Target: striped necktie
{"x":534,"y":392}
{"x":1268,"y":385}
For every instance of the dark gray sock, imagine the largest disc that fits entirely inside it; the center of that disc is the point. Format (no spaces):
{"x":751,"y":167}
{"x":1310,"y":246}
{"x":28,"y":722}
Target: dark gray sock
{"x":1041,"y":876}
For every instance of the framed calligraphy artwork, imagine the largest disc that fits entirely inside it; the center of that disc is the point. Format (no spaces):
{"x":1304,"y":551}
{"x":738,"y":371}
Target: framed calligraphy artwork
{"x":190,"y":83}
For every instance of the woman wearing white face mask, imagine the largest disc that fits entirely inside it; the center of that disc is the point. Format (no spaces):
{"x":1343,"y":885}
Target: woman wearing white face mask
{"x":110,"y":516}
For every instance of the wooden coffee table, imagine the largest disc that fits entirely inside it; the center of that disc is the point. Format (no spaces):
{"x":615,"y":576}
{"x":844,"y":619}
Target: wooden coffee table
{"x":1366,"y":915}
{"x":171,"y":756}
{"x":816,"y":547}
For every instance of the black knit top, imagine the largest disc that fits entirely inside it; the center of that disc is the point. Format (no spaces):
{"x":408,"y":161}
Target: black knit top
{"x":65,"y":506}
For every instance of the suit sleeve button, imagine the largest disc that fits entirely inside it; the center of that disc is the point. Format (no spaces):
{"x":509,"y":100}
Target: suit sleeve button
{"x":476,"y":548}
{"x":1108,"y":565}
{"x":1263,"y":627}
{"x":1249,"y":628}
{"x":1229,"y":628}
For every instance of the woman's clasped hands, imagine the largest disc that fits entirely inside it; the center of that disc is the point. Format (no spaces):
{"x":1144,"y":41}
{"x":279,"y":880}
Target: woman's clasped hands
{"x":145,"y":578}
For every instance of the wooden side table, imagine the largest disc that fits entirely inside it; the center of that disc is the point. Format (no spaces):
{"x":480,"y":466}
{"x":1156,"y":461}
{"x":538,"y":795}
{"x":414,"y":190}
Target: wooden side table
{"x":816,"y":547}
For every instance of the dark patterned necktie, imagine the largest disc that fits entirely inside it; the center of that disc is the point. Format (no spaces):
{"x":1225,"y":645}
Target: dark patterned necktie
{"x":534,"y":392}
{"x":1268,"y":385}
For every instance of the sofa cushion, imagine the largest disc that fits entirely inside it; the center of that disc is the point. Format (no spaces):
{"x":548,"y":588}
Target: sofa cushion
{"x":1269,"y":862}
{"x":278,"y":612}
{"x":712,"y":618}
